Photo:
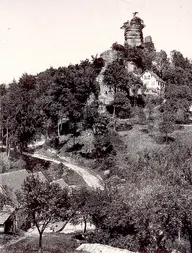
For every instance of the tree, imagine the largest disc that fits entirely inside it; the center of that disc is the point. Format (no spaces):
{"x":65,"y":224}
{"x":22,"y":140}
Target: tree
{"x":166,"y":126}
{"x":44,"y":203}
{"x":117,"y":77}
{"x":90,"y":114}
{"x":169,"y":206}
{"x":178,"y":60}
{"x":161,"y":61}
{"x":20,"y":120}
{"x":122,"y":106}
{"x":82,"y":200}
{"x":178,"y":100}
{"x":6,"y":196}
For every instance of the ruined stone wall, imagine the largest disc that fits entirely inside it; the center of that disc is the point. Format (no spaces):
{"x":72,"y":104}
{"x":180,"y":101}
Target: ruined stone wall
{"x":133,"y":32}
{"x":133,"y":36}
{"x":148,"y":39}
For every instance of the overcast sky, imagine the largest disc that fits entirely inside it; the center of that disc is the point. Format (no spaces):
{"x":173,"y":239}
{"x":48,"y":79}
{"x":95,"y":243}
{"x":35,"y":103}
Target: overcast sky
{"x":37,"y":34}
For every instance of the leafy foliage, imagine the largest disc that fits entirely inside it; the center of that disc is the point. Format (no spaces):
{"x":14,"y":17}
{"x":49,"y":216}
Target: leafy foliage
{"x":44,"y":203}
{"x":166,"y":126}
{"x":122,"y":105}
{"x":35,"y":104}
{"x":151,"y":209}
{"x":117,"y":77}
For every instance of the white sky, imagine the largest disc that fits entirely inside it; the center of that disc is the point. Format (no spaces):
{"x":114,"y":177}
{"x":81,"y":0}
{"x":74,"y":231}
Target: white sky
{"x":37,"y":34}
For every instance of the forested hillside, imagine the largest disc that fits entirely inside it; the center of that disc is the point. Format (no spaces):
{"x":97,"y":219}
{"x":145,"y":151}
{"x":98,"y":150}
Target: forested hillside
{"x":146,"y":204}
{"x":34,"y":105}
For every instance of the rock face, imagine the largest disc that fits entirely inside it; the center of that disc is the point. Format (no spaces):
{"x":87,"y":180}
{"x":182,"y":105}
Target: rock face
{"x":109,"y":56}
{"x":133,"y":32}
{"x":106,"y":95}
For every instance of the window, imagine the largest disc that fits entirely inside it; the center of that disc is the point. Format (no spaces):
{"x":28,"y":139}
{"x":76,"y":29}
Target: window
{"x":147,"y":76}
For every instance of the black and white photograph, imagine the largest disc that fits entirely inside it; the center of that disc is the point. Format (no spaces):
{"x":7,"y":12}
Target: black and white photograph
{"x":96,"y":126}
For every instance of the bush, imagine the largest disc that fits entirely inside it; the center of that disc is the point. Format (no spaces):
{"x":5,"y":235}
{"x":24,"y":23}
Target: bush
{"x":103,"y":145}
{"x":129,"y":242}
{"x":98,"y":237}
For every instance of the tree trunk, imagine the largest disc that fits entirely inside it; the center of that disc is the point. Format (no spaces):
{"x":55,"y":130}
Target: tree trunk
{"x":67,"y":220}
{"x":7,"y":141}
{"x":85,"y":222}
{"x":8,"y":151}
{"x":190,"y":237}
{"x":179,"y":235}
{"x":114,"y":116}
{"x":64,"y":225}
{"x":114,"y":111}
{"x":58,"y":128}
{"x":74,"y":140}
{"x":46,"y":137}
{"x":40,"y":243}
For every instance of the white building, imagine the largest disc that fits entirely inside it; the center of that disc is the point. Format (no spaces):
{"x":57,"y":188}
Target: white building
{"x":153,"y":84}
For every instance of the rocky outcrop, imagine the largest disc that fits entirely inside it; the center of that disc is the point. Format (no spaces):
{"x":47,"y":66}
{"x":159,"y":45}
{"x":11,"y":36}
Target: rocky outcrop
{"x":106,"y":95}
{"x":109,"y":56}
{"x":133,"y":32}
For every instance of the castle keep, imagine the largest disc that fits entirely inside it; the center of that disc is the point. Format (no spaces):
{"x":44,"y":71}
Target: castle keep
{"x":133,"y":31}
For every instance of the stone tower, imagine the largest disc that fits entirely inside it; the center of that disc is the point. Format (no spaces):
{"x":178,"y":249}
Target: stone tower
{"x":148,"y":39}
{"x":133,"y":31}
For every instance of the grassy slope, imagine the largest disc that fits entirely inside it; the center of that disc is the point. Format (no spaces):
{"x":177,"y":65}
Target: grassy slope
{"x":184,"y":135}
{"x":51,"y":244}
{"x":137,"y":141}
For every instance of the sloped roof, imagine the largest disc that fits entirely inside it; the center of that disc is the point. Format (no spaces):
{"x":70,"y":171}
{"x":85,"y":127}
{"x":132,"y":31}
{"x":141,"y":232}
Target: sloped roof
{"x":4,"y":216}
{"x":13,"y":179}
{"x":8,"y":209}
{"x":154,"y":75}
{"x":61,"y":182}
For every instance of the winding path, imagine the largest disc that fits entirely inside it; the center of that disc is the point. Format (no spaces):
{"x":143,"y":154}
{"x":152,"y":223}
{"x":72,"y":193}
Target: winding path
{"x":92,"y":179}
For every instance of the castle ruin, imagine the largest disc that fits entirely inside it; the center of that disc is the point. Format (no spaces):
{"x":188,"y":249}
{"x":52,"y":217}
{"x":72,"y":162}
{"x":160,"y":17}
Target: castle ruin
{"x":133,"y":31}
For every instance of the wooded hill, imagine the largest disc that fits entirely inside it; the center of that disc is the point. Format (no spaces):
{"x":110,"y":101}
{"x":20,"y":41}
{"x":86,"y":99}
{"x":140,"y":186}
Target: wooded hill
{"x":34,"y":105}
{"x":147,"y":201}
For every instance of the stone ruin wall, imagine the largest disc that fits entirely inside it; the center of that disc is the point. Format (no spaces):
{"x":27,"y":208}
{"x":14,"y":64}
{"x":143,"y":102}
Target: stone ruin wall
{"x":133,"y":32}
